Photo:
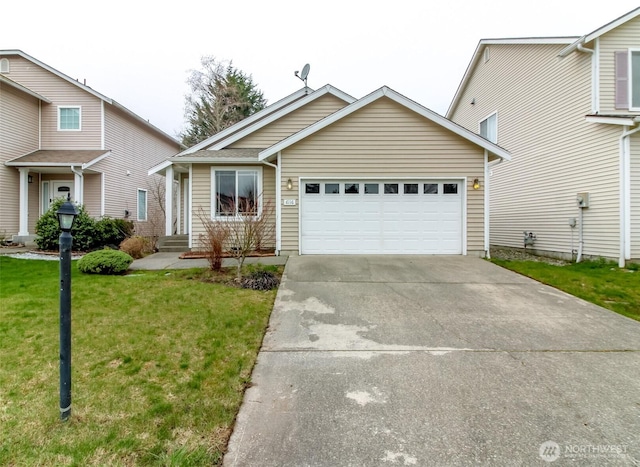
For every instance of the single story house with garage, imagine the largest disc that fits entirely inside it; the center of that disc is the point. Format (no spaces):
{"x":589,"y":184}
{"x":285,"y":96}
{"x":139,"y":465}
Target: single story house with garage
{"x":376,"y":175}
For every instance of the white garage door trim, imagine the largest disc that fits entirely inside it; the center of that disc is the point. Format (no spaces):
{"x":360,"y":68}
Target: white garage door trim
{"x":462,"y":194}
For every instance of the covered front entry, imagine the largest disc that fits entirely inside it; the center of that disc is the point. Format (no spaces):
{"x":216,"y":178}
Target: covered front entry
{"x":394,"y":216}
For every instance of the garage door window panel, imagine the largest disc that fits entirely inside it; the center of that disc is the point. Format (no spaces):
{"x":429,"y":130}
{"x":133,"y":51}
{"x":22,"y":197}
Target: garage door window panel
{"x":390,"y":188}
{"x":450,"y":189}
{"x":332,"y":188}
{"x":312,"y":188}
{"x":352,"y":188}
{"x":371,"y":188}
{"x":410,"y":188}
{"x":430,"y":188}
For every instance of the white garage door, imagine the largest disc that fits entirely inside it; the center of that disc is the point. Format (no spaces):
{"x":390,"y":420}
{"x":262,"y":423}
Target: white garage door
{"x":381,"y":217}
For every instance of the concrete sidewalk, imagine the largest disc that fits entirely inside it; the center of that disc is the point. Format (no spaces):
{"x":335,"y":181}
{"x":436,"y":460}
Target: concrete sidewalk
{"x":173,"y":261}
{"x":400,"y":360}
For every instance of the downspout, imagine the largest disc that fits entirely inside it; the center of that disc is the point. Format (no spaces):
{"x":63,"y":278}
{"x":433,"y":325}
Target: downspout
{"x":278,"y":189}
{"x":594,"y":77}
{"x":625,"y":195}
{"x":487,"y":203}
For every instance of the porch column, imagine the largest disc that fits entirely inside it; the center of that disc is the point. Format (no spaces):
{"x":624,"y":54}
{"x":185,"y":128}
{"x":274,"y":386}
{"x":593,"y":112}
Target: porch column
{"x":168,"y":200}
{"x":78,"y":185}
{"x":24,"y":201}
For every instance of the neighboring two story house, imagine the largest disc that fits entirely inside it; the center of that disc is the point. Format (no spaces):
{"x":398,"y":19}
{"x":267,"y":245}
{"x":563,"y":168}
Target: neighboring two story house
{"x":568,"y":110}
{"x":59,"y":137}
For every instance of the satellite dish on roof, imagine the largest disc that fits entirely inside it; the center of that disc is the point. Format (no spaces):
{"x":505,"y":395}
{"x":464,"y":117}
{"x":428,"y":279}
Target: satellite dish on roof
{"x":303,"y":76}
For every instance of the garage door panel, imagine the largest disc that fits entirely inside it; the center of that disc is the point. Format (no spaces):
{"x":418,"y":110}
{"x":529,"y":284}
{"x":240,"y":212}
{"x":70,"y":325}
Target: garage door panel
{"x":379,"y":223}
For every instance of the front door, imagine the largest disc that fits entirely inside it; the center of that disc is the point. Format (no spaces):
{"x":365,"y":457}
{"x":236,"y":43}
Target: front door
{"x":61,"y":190}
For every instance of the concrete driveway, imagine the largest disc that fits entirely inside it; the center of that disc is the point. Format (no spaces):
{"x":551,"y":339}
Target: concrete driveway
{"x":398,"y":360}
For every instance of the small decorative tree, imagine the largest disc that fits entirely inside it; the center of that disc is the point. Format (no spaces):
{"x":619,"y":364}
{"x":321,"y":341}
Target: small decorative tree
{"x":238,"y":232}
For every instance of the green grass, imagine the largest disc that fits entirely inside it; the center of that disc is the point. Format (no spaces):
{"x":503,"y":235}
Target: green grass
{"x":599,"y":282}
{"x":160,"y":361}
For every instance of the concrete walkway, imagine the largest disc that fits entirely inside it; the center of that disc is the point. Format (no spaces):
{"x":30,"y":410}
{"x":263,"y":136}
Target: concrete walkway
{"x":382,"y":361}
{"x":173,"y":261}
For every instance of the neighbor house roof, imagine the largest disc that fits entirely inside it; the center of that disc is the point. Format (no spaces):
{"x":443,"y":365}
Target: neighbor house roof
{"x":400,"y":99}
{"x":477,"y":54}
{"x":91,"y":91}
{"x":59,"y":158}
{"x":599,"y":32}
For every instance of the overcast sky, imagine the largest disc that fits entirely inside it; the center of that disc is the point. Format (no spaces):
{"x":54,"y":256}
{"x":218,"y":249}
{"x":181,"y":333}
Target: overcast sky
{"x":139,"y":53}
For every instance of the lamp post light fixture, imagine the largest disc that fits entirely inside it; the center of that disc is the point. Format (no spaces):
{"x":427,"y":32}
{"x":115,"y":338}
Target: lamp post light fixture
{"x":66,"y":217}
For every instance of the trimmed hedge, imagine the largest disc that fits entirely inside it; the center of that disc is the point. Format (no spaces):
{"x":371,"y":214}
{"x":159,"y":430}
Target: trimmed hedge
{"x":107,"y":262}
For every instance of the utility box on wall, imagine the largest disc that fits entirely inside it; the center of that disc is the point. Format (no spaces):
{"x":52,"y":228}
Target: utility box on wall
{"x":583,"y":199}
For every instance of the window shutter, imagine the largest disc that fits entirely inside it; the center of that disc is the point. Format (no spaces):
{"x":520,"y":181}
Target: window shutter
{"x":622,"y":79}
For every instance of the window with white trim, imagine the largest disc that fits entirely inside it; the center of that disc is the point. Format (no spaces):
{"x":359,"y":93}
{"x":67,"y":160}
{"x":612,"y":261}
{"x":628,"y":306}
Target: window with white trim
{"x":4,"y":65}
{"x":489,"y":128}
{"x":634,"y":79}
{"x":69,"y":118}
{"x":236,"y":192}
{"x":142,"y":204}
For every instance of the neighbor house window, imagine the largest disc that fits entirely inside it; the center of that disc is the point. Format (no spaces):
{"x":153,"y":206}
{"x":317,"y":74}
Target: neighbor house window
{"x":489,"y":128}
{"x":627,"y":79}
{"x":142,"y":204}
{"x":4,"y":65}
{"x":236,"y":192}
{"x":69,"y":119}
{"x":635,"y":80}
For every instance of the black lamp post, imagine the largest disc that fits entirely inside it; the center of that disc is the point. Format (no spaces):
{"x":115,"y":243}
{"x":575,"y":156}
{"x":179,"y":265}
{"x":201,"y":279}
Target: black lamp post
{"x":66,"y":216}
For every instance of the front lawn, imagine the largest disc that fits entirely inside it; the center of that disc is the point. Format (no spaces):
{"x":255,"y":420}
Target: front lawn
{"x":160,"y":361}
{"x":599,"y":282}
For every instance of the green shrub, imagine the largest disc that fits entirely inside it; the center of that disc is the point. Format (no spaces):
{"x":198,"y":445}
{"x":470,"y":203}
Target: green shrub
{"x":48,"y":230}
{"x":110,"y":231}
{"x":105,"y":262}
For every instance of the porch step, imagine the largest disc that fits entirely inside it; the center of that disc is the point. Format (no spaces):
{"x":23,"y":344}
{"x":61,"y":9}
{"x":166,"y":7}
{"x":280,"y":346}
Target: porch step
{"x":174,"y":244}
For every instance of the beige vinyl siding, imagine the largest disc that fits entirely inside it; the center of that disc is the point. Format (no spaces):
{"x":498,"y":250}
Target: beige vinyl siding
{"x":134,"y":149}
{"x":621,"y":38}
{"x":18,"y":136}
{"x":635,"y":197}
{"x":384,"y":140}
{"x":61,"y":93}
{"x":291,"y":123}
{"x":541,"y":102}
{"x":92,"y":194}
{"x":201,"y":204}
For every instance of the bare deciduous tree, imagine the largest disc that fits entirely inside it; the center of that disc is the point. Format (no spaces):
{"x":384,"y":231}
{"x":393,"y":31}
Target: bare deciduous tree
{"x":240,"y":231}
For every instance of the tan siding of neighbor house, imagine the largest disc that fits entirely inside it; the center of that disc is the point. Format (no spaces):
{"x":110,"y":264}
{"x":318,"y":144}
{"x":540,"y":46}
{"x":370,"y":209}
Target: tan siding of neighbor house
{"x":291,"y":123}
{"x":201,"y":207}
{"x":541,"y":103}
{"x":18,"y":136}
{"x":92,"y":194}
{"x":134,"y":148}
{"x":621,"y":38}
{"x":61,"y":93}
{"x":635,"y":197}
{"x":384,"y":140}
